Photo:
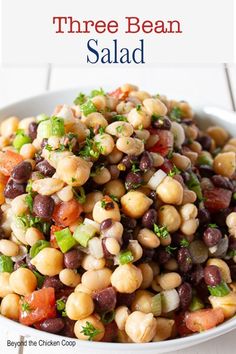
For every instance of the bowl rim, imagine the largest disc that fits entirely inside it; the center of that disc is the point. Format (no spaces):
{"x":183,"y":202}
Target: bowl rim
{"x":167,"y":345}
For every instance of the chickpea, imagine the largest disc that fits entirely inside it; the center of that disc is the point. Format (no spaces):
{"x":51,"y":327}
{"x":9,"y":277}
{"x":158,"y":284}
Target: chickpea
{"x":9,"y":248}
{"x":169,"y":217}
{"x":136,"y":250}
{"x":120,"y":129}
{"x":126,"y":278}
{"x":229,"y":148}
{"x":115,"y":231}
{"x":154,"y":106}
{"x":141,"y":95}
{"x":171,"y":265}
{"x":181,"y":162}
{"x":103,"y":176}
{"x":223,"y":266}
{"x":82,"y":289}
{"x":227,"y":303}
{"x":94,"y":120}
{"x":112,"y":246}
{"x":121,"y":315}
{"x":100,"y":212}
{"x":158,"y":160}
{"x":47,"y":186}
{"x":23,"y":281}
{"x":148,"y":238}
{"x":18,"y":205}
{"x":105,"y":142}
{"x":49,"y":261}
{"x":115,"y":156}
{"x":115,"y":187}
{"x":10,"y":306}
{"x":189,"y":227}
{"x":135,"y":204}
{"x":5,"y":287}
{"x":155,"y":268}
{"x":147,"y":274}
{"x":140,"y":327}
{"x":124,"y":107}
{"x":142,"y":301}
{"x":90,"y":263}
{"x":73,"y":170}
{"x":188,"y":211}
{"x":219,"y":134}
{"x":224,"y":164}
{"x":53,"y":157}
{"x":130,"y":146}
{"x":33,"y":235}
{"x":139,"y":118}
{"x":99,"y":102}
{"x":69,"y":277}
{"x":191,"y":155}
{"x":189,"y":197}
{"x":170,"y":191}
{"x":95,"y":322}
{"x":97,"y":279}
{"x":164,"y":329}
{"x":152,"y":140}
{"x":91,"y":199}
{"x":129,"y":88}
{"x":9,"y":126}
{"x":142,"y":134}
{"x":66,"y":194}
{"x":79,"y":306}
{"x":28,"y":151}
{"x":169,"y":281}
{"x":231,"y":220}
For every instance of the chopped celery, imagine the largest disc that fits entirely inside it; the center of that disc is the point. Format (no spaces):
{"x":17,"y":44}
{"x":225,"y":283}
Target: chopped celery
{"x":6,"y":264}
{"x":156,"y":307}
{"x":169,"y":300}
{"x":37,"y":247}
{"x":219,"y":290}
{"x":57,"y":126}
{"x":125,"y":257}
{"x":88,"y":107}
{"x":65,"y":240}
{"x":83,"y":233}
{"x":196,"y":304}
{"x":20,"y":139}
{"x":42,"y":117}
{"x":44,"y":129}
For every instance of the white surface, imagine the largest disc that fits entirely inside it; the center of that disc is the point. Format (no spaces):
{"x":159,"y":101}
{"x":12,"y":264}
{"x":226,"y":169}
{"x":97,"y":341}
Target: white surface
{"x":199,"y":85}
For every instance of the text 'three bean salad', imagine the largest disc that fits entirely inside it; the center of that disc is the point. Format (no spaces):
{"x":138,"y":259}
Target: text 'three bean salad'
{"x":118,"y":219}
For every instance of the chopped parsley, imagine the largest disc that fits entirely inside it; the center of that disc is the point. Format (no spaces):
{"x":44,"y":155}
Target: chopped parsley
{"x":138,"y":107}
{"x":114,"y":198}
{"x":100,"y":92}
{"x":169,"y":249}
{"x":25,"y":306}
{"x":80,"y":99}
{"x":155,"y":118}
{"x":184,"y":242}
{"x":213,"y":226}
{"x":90,"y":149}
{"x":176,"y":114}
{"x":101,"y":130}
{"x":108,"y":317}
{"x":161,"y":231}
{"x":134,"y":167}
{"x":120,"y":129}
{"x":90,"y":331}
{"x":174,"y":171}
{"x":120,"y":118}
{"x":29,"y":201}
{"x":79,"y":195}
{"x":48,"y":147}
{"x":27,"y":221}
{"x":170,"y":154}
{"x":103,"y":204}
{"x":194,"y":184}
{"x":60,"y":304}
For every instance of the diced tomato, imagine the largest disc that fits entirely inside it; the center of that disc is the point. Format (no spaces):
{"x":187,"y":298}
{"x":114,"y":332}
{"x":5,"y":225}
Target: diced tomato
{"x":181,"y":327}
{"x":119,"y":94}
{"x":202,"y":320}
{"x":217,"y":198}
{"x":3,"y":178}
{"x":38,"y":306}
{"x":66,"y":213}
{"x":165,"y":142}
{"x":167,"y":166}
{"x":111,"y":332}
{"x":53,"y":239}
{"x":8,"y":160}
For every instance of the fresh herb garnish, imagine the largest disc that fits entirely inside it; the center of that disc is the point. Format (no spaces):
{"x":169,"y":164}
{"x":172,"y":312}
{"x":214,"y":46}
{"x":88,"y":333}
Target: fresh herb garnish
{"x":80,"y":99}
{"x":108,"y":317}
{"x":134,"y":167}
{"x":161,"y":231}
{"x":90,"y":149}
{"x":169,"y":249}
{"x":61,"y":304}
{"x":120,"y":129}
{"x":25,"y":306}
{"x":119,"y":118}
{"x":194,"y":184}
{"x":48,"y":147}
{"x":90,"y":331}
{"x":184,"y":242}
{"x":114,"y":198}
{"x":101,"y":130}
{"x":29,"y":201}
{"x":103,"y":204}
{"x":80,"y":195}
{"x":138,"y":107}
{"x":100,"y":92}
{"x":174,"y":171}
{"x":213,"y":226}
{"x":176,"y":114}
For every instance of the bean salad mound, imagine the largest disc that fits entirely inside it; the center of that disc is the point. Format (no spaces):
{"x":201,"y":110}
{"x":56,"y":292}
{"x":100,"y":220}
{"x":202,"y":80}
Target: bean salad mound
{"x":117,"y":219}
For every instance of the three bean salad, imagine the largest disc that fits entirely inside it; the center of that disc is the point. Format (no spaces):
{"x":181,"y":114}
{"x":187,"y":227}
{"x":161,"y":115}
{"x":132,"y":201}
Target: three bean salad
{"x":117,"y":219}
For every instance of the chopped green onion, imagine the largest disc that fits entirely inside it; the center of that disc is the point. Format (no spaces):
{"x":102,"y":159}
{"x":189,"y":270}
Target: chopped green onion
{"x":194,"y":184}
{"x":125,"y":257}
{"x":37,"y":247}
{"x":161,"y":231}
{"x":196,"y":304}
{"x":108,"y":317}
{"x":184,"y":242}
{"x":57,"y":126}
{"x":6,"y":264}
{"x":90,"y":331}
{"x":40,"y":278}
{"x":65,"y":239}
{"x":88,"y":107}
{"x":20,"y":139}
{"x":83,"y":233}
{"x":219,"y":290}
{"x":156,"y":305}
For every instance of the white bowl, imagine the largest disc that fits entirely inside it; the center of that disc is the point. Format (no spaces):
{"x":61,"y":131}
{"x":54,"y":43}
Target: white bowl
{"x":45,"y":103}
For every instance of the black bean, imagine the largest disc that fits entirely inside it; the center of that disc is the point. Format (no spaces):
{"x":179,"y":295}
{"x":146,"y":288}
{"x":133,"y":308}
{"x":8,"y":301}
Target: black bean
{"x":2,"y":232}
{"x":206,"y":171}
{"x":128,"y":223}
{"x":105,"y":299}
{"x":19,"y":264}
{"x":212,"y":236}
{"x":111,"y":332}
{"x":133,"y":180}
{"x":38,"y":157}
{"x":147,"y":256}
{"x":149,"y":218}
{"x":220,"y":217}
{"x":106,"y":224}
{"x":205,"y":142}
{"x":68,"y":329}
{"x":186,"y":176}
{"x":162,"y":123}
{"x":233,"y":271}
{"x":197,"y":274}
{"x":45,"y":168}
{"x":13,"y":189}
{"x":185,"y":295}
{"x":212,"y":275}
{"x":73,"y":258}
{"x":184,"y":260}
{"x":146,"y":161}
{"x":162,"y":256}
{"x":129,"y":160}
{"x":43,"y":206}
{"x":126,"y":237}
{"x":204,"y":216}
{"x":32,"y":130}
{"x":52,"y":325}
{"x":21,"y":172}
{"x":222,"y":182}
{"x":53,"y":282}
{"x":114,"y":171}
{"x":221,"y":248}
{"x":232,"y":243}
{"x":125,"y":299}
{"x":28,"y":262}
